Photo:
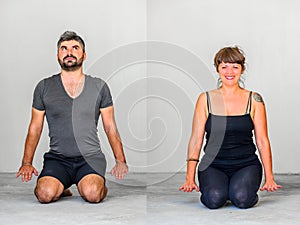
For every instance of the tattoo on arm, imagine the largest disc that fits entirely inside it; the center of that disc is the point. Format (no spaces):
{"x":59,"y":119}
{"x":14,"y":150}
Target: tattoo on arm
{"x":257,"y":97}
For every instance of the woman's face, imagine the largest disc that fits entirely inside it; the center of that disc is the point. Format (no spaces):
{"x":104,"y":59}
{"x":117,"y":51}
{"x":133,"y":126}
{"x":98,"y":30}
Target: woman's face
{"x":230,"y":73}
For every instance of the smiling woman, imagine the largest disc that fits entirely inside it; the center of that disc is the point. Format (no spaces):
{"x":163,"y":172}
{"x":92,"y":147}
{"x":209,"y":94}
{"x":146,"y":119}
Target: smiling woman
{"x":230,"y":58}
{"x":230,"y":169}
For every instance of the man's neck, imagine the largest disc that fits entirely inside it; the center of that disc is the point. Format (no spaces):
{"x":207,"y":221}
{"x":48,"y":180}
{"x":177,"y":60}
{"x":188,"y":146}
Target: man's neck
{"x":72,"y":75}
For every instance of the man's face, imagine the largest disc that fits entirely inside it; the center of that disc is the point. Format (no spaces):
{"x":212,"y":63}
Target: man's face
{"x":70,"y":55}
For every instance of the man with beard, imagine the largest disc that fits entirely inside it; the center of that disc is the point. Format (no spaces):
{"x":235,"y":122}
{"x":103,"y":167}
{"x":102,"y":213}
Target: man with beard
{"x":72,"y":103}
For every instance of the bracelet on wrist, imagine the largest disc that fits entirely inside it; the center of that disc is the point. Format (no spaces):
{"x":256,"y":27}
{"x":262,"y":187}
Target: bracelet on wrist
{"x":26,"y":163}
{"x":192,"y":159}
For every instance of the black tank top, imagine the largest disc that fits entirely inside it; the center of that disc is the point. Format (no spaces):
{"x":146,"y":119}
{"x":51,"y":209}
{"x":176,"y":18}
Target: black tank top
{"x":230,"y":137}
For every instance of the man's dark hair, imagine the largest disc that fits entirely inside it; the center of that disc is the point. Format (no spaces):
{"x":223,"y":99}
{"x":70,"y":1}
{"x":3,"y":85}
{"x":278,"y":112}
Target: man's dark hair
{"x":69,"y":36}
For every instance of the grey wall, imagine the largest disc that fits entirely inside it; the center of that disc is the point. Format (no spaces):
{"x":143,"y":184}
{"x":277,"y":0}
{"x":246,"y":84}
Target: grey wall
{"x":157,"y":57}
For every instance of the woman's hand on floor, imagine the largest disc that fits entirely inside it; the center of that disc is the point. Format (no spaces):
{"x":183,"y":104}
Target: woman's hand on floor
{"x":189,"y":186}
{"x":270,"y":186}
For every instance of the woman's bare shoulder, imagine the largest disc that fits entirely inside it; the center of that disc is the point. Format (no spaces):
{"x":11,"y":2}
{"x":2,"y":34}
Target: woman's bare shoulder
{"x":258,"y":97}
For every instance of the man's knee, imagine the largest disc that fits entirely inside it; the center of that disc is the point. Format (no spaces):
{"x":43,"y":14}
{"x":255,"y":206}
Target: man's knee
{"x":92,"y":188}
{"x":48,"y":190}
{"x":94,"y":194}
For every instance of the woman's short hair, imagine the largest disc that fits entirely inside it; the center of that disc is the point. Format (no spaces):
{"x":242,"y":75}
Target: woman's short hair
{"x":230,"y":55}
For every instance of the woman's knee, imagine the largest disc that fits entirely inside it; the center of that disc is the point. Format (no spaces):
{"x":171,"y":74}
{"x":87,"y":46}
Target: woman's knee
{"x":243,"y":199}
{"x":214,"y":198}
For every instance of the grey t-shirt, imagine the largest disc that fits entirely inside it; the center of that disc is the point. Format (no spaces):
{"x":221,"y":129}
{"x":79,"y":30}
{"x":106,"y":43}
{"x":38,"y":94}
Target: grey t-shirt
{"x":72,"y":122}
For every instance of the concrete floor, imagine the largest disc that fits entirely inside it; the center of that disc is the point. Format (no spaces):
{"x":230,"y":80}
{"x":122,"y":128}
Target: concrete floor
{"x":145,"y":199}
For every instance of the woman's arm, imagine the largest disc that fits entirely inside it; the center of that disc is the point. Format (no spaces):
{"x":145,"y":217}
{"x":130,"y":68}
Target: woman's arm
{"x":195,"y":143}
{"x":262,"y":141}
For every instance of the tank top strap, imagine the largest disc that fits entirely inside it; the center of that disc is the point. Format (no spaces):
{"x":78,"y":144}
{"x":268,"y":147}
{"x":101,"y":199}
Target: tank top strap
{"x":208,"y":102}
{"x":248,"y":109}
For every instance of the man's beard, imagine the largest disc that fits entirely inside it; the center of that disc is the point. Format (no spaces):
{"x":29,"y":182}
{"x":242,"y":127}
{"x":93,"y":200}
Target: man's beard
{"x":70,"y":65}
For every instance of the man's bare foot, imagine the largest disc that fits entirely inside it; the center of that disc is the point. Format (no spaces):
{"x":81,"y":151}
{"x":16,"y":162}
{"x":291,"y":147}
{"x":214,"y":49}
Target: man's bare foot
{"x":104,"y":193}
{"x":66,"y":193}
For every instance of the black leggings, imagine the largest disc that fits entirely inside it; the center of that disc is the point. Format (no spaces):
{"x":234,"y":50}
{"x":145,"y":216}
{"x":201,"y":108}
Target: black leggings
{"x":240,"y":187}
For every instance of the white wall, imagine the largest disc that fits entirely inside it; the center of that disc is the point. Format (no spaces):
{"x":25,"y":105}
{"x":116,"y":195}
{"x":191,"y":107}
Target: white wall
{"x":154,"y":84}
{"x":29,"y":32}
{"x":268,"y":32}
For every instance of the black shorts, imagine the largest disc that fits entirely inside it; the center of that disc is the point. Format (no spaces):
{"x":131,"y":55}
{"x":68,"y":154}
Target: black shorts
{"x":70,"y":170}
